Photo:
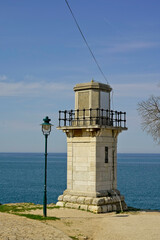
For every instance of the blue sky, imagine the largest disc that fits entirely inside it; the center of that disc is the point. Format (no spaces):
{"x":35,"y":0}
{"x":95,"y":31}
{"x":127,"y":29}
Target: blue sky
{"x":42,"y":57}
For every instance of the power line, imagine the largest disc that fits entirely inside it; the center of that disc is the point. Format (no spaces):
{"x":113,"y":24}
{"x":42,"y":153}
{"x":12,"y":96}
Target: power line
{"x":91,"y":52}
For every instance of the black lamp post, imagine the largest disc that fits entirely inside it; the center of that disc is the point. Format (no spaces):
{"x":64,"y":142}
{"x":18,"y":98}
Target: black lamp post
{"x":46,"y":129}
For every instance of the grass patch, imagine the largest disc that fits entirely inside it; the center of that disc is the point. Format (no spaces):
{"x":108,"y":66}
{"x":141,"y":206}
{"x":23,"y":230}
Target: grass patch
{"x":129,"y":209}
{"x":53,"y":207}
{"x":133,"y":209}
{"x":118,"y":212}
{"x":73,"y":237}
{"x":13,"y":208}
{"x":37,"y":217}
{"x":21,"y":208}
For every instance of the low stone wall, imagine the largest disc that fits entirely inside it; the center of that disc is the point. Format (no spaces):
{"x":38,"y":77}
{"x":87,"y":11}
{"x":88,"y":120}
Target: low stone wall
{"x":96,"y":205}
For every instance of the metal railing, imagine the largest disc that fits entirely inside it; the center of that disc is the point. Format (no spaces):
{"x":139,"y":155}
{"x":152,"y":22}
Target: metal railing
{"x":92,"y":117}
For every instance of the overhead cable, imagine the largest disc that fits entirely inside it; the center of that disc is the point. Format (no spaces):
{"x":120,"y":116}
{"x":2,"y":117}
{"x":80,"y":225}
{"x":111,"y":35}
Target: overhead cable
{"x":91,"y":52}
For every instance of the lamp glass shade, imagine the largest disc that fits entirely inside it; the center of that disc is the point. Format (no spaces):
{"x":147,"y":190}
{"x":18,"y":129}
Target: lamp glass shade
{"x":46,"y":129}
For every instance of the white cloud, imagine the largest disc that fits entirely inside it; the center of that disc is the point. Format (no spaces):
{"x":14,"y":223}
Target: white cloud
{"x":131,"y":46}
{"x":33,"y":88}
{"x":3,"y":77}
{"x":132,"y":77}
{"x":134,"y":85}
{"x":136,"y":90}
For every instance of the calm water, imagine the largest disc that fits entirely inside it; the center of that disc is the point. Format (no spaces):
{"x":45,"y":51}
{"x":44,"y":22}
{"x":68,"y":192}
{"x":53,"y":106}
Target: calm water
{"x":22,"y":178}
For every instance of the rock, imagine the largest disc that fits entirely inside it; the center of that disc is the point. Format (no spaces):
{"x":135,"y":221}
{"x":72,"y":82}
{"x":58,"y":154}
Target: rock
{"x":108,"y":200}
{"x":98,"y":201}
{"x":124,"y":206}
{"x":115,"y":199}
{"x":122,"y":198}
{"x":118,"y":207}
{"x":76,"y":206}
{"x":73,"y":199}
{"x":60,"y":198}
{"x":60,"y":204}
{"x":66,"y":198}
{"x":80,"y":200}
{"x":95,"y":209}
{"x":84,"y":207}
{"x":69,"y":205}
{"x":104,"y":208}
{"x":118,"y":192}
{"x":109,"y":208}
{"x":114,"y":207}
{"x":88,"y":200}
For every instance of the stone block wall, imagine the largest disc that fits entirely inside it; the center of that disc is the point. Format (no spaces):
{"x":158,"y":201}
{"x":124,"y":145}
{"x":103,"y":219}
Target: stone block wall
{"x":81,"y":165}
{"x":113,"y":201}
{"x":86,"y":167}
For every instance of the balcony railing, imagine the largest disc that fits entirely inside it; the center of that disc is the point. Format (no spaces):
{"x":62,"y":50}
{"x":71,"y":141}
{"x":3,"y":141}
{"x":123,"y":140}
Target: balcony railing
{"x":92,"y":117}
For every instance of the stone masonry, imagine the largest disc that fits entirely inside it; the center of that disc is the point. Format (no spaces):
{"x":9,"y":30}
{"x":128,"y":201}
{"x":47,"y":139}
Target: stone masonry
{"x":91,"y":153}
{"x":110,"y":203}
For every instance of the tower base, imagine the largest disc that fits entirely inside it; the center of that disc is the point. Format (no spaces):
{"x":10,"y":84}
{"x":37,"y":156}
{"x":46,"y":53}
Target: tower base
{"x":111,"y":202}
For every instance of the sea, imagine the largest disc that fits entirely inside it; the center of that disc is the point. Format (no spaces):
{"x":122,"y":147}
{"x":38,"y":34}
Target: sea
{"x":22,"y":178}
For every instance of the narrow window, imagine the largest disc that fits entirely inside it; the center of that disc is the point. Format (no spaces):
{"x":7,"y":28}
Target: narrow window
{"x":106,"y":154}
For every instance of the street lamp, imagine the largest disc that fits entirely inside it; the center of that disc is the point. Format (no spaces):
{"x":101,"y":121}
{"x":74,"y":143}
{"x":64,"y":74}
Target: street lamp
{"x":46,"y":129}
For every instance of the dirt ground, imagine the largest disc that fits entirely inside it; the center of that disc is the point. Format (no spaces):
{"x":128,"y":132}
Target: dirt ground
{"x":82,"y":225}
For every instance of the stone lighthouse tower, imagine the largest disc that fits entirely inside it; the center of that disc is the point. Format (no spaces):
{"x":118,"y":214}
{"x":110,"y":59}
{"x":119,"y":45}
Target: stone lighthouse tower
{"x":92,"y":129}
